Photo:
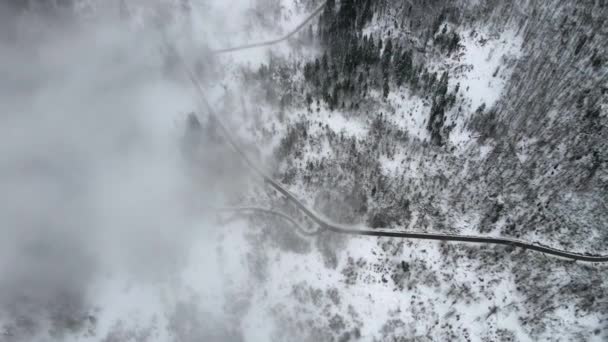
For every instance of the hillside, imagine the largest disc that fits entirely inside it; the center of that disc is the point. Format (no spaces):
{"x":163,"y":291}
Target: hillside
{"x":480,"y":117}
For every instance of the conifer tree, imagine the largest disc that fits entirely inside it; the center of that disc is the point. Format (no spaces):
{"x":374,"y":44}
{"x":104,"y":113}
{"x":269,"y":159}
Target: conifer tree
{"x":311,"y":36}
{"x":403,"y":68}
{"x":385,"y":86}
{"x":387,"y":55}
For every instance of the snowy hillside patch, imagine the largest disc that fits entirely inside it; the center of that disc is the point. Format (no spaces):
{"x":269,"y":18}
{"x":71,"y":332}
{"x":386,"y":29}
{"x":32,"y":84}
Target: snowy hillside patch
{"x":483,"y":71}
{"x":339,"y":123}
{"x":411,"y":113}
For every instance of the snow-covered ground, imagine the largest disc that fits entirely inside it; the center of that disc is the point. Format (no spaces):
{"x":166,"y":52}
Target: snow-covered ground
{"x":411,"y":113}
{"x":482,"y":70}
{"x":484,"y":64}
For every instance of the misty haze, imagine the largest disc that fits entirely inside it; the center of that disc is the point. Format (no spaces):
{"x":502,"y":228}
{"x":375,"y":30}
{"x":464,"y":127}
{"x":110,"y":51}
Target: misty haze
{"x":303,"y":170}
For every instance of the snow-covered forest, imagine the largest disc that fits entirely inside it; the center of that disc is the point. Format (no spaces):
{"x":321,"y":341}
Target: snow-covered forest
{"x":129,"y":215}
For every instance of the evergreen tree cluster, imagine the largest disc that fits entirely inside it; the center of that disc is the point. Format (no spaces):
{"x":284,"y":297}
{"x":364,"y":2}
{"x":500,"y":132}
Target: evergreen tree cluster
{"x":447,"y":41}
{"x":343,"y":77}
{"x":442,"y":101}
{"x":354,"y":63}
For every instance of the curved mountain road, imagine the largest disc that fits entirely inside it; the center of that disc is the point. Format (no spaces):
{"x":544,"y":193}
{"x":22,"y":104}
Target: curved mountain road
{"x":273,"y":213}
{"x":274,"y":41}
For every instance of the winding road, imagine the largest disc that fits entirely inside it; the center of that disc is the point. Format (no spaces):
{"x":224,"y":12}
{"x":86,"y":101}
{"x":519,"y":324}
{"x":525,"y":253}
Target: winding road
{"x":273,"y":213}
{"x":324,"y":222}
{"x":274,"y":41}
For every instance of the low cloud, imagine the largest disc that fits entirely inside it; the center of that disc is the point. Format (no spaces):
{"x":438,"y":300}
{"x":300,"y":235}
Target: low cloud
{"x":91,"y":170}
